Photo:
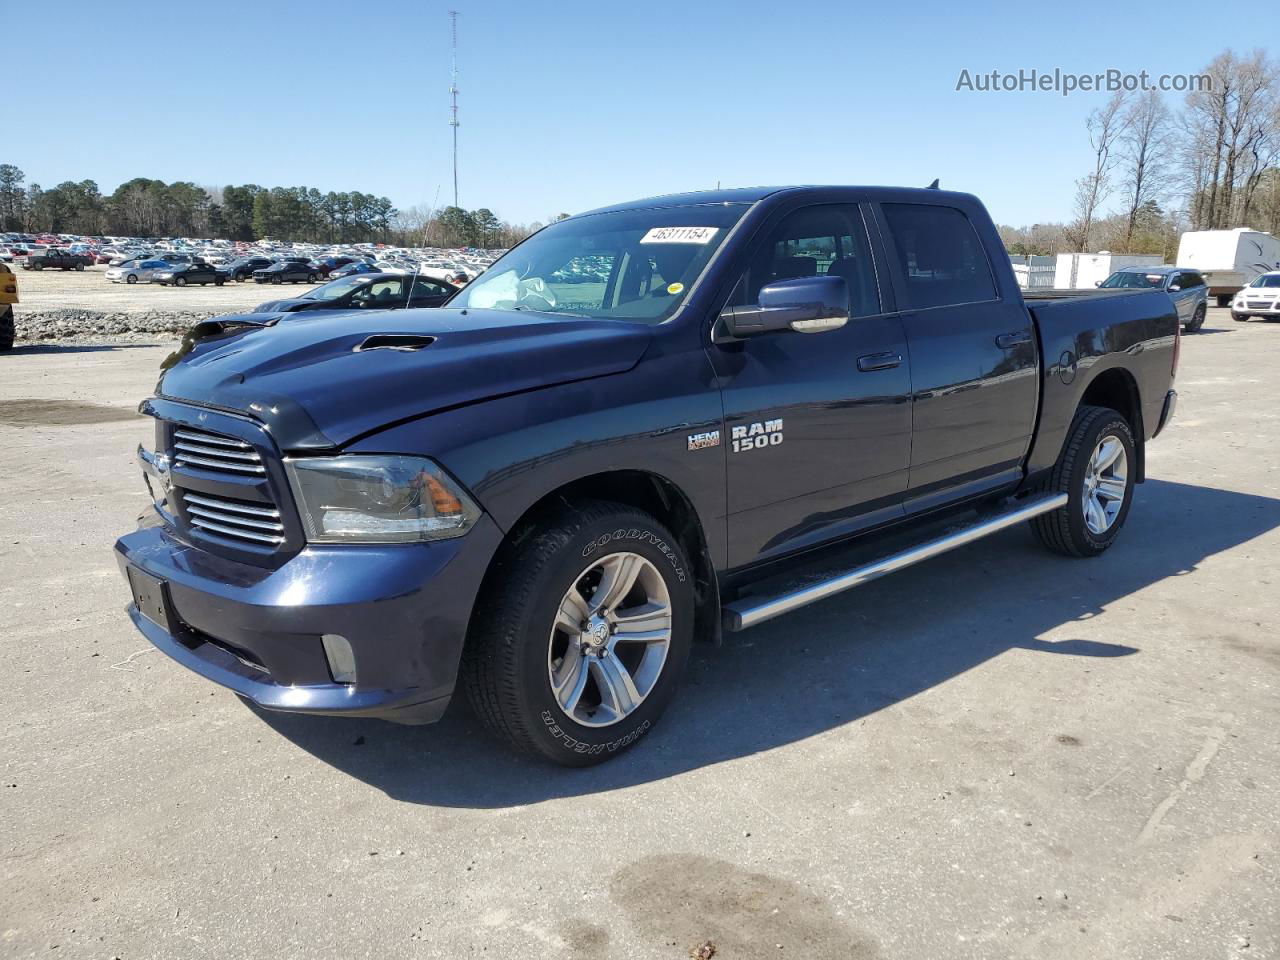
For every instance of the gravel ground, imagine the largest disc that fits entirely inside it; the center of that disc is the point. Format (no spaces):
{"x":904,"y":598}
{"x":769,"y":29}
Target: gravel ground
{"x":997,"y":754}
{"x":84,"y":307}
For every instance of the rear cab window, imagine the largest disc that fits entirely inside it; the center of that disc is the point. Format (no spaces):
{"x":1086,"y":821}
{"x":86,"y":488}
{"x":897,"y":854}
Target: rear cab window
{"x":940,"y":258}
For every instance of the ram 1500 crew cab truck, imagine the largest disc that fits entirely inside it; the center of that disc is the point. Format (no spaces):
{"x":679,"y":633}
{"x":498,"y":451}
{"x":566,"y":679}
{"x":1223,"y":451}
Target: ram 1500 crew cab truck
{"x":625,"y":434}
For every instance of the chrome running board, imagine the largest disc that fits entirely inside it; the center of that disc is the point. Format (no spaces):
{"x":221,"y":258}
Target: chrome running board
{"x":741,"y":614}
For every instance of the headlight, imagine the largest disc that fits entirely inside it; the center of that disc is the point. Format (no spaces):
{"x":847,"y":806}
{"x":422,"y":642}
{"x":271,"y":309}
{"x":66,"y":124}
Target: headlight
{"x":383,"y":498}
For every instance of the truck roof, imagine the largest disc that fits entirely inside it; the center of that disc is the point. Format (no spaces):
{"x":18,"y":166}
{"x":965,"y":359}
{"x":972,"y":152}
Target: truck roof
{"x":753,"y":194}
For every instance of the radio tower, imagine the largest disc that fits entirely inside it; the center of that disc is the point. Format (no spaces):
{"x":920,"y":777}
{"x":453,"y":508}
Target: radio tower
{"x":453,"y":92}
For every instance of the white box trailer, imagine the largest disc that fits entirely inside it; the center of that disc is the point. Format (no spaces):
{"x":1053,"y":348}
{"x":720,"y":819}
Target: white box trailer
{"x":1228,"y":259}
{"x":1084,"y":271}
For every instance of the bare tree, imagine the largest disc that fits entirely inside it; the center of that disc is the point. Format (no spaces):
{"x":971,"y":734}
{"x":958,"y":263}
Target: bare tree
{"x":1105,"y":125}
{"x":1231,"y":137}
{"x":1143,"y":150}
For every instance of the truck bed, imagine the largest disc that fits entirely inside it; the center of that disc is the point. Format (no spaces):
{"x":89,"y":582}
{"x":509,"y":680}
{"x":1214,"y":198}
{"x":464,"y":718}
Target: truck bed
{"x":1086,"y":333}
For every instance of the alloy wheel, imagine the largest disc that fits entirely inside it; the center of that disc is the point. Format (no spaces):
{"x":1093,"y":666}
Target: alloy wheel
{"x":610,"y":640}
{"x":1106,"y":479}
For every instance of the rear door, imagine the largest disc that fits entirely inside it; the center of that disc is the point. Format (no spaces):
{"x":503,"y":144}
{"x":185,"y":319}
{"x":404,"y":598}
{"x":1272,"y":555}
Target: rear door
{"x":817,"y":426}
{"x":973,"y":355}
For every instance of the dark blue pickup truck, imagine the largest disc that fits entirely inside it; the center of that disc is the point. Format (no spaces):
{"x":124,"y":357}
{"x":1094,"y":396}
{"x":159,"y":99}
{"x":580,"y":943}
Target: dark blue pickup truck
{"x":639,"y":427}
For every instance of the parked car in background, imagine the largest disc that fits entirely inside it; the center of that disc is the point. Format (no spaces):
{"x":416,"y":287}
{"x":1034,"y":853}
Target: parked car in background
{"x":1186,"y":287}
{"x":326,"y":265}
{"x":137,"y":271}
{"x":372,"y":291}
{"x":287,"y":271}
{"x":242,"y":269}
{"x":1261,"y":298}
{"x":181,"y":274}
{"x":355,"y":267}
{"x":57,"y":259}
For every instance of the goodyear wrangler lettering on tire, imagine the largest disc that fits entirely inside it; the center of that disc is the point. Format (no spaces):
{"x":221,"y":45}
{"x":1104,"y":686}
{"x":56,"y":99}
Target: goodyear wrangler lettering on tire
{"x":590,"y":749}
{"x":643,"y":536}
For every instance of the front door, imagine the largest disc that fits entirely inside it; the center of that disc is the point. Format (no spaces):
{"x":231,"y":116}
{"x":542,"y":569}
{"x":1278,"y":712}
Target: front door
{"x":973,"y":356}
{"x":818,"y":426}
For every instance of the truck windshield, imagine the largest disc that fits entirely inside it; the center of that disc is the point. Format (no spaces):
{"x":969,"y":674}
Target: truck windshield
{"x":1124,"y":280}
{"x":625,"y":265}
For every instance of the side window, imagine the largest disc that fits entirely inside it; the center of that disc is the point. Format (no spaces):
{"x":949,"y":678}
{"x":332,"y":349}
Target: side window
{"x":426,"y":288}
{"x":939,"y":254}
{"x":828,"y":239}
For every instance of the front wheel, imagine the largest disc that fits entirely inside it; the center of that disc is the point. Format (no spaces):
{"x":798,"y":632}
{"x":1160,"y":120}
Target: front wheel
{"x":1239,"y":317}
{"x":1197,"y":320}
{"x":1095,"y":471}
{"x":131,"y":279}
{"x":180,"y":282}
{"x":581,"y":634}
{"x":277,"y":279}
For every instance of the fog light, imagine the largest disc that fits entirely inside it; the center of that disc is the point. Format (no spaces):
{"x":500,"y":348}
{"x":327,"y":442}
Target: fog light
{"x":342,"y":662}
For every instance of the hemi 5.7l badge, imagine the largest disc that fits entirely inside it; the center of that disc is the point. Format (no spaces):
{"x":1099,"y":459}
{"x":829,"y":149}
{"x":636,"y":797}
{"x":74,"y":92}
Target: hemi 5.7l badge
{"x":700,"y":441}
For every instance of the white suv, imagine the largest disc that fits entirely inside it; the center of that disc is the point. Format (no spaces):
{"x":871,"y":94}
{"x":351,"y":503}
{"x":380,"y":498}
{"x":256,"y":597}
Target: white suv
{"x":1261,"y":298}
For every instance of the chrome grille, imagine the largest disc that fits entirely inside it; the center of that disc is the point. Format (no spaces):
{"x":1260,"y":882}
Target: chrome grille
{"x":237,"y":519}
{"x":212,"y":451}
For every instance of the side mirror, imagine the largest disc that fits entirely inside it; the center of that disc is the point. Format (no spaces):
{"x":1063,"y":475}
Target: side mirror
{"x":805,"y":305}
{"x":1174,"y":288}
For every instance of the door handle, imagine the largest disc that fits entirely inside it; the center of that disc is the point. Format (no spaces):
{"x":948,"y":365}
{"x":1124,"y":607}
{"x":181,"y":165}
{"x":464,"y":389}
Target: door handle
{"x":1007,"y":340}
{"x":879,"y":361}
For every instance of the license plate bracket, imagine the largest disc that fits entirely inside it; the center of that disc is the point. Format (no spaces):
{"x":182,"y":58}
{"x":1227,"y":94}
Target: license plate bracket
{"x":151,"y":594}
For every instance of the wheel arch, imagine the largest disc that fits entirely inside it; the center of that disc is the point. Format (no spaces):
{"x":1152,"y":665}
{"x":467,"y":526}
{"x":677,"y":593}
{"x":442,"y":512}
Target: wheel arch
{"x":1116,"y":389}
{"x":656,"y":495}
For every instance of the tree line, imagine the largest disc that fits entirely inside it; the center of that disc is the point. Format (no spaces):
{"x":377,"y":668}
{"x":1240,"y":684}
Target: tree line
{"x":1210,"y":163}
{"x":142,"y":207}
{"x":152,"y":208}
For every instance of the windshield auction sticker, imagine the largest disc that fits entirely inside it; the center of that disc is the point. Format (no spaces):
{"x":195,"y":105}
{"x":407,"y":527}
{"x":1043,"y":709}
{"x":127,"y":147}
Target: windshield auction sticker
{"x":680,"y":235}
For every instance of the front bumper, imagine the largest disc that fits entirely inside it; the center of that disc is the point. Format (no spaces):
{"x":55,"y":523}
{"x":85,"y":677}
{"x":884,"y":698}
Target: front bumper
{"x":404,"y":609}
{"x":1256,"y":308}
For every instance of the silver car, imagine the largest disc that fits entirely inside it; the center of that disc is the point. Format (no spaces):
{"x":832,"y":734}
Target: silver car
{"x":136,"y":271}
{"x":1185,"y":287}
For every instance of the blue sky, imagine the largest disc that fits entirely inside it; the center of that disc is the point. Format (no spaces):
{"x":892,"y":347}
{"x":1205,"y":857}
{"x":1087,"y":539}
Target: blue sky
{"x":572,"y":105}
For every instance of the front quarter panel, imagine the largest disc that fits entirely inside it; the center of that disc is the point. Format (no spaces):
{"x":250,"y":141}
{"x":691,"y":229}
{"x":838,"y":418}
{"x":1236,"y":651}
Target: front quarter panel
{"x":513,"y":451}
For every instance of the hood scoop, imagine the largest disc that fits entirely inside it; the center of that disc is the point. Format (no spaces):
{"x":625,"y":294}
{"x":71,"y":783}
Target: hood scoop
{"x":396,"y":341}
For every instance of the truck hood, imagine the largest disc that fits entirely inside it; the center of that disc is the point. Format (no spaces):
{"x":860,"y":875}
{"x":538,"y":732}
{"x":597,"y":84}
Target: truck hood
{"x":318,"y":382}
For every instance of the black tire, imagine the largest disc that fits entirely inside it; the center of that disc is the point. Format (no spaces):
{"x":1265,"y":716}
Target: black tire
{"x":37,"y":267}
{"x":8,"y":331}
{"x":1064,"y":530}
{"x":1197,"y":320}
{"x":1224,"y":300}
{"x":179,"y":281}
{"x":1239,"y":317}
{"x":276,"y":278}
{"x":311,"y":278}
{"x":505,"y":664}
{"x":80,"y":266}
{"x":131,"y":279}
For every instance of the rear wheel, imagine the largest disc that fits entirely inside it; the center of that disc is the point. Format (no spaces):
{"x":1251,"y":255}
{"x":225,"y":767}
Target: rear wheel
{"x":1197,"y":320}
{"x":581,"y":634}
{"x":8,"y":330}
{"x":1095,"y":472}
